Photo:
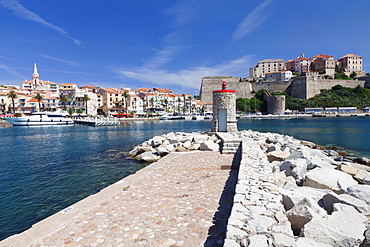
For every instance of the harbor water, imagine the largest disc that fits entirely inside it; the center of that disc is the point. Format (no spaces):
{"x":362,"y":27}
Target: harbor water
{"x":46,"y":169}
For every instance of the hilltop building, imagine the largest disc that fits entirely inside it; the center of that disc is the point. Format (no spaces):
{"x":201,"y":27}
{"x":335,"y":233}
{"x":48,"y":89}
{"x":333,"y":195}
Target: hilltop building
{"x":266,"y":66}
{"x":349,"y":64}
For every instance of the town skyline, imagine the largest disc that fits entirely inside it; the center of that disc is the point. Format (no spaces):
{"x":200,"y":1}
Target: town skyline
{"x":169,"y":45}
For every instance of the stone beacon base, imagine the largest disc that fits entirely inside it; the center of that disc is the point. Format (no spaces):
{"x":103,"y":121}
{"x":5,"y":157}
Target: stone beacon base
{"x":261,"y":189}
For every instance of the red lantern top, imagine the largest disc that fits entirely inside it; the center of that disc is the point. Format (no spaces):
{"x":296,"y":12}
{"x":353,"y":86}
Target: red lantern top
{"x":224,"y":90}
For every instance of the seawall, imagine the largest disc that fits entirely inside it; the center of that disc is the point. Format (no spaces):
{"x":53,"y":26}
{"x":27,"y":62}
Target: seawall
{"x":265,"y":189}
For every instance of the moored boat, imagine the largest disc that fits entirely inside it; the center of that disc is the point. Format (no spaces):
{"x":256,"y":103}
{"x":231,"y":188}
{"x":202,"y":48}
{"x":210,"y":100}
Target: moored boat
{"x":39,"y":118}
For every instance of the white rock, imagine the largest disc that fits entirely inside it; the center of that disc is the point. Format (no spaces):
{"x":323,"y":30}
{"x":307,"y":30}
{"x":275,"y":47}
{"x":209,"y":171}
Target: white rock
{"x":304,"y":212}
{"x":359,"y":205}
{"x":324,"y":178}
{"x":362,"y":175}
{"x":342,"y":228}
{"x":296,"y":168}
{"x":186,"y":144}
{"x":200,"y":138}
{"x":162,"y":151}
{"x":148,"y":157}
{"x":235,"y":233}
{"x":231,"y":243}
{"x":277,"y":155}
{"x":260,"y":223}
{"x":194,"y":146}
{"x":360,"y":191}
{"x":306,"y":242}
{"x":257,"y":241}
{"x":156,"y":141}
{"x":293,"y":197}
{"x":209,"y":146}
{"x":281,"y":239}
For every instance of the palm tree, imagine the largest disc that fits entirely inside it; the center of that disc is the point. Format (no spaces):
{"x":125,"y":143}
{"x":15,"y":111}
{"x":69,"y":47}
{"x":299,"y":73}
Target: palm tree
{"x":125,"y":95}
{"x":165,"y":101}
{"x":85,"y":99}
{"x":152,"y":102}
{"x":12,"y":95}
{"x":79,"y":111}
{"x":64,"y":100}
{"x":178,"y":104}
{"x":39,"y":98}
{"x":71,"y":111}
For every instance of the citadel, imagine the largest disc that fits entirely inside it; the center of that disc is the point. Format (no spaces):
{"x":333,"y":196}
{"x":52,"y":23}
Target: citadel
{"x":301,"y":78}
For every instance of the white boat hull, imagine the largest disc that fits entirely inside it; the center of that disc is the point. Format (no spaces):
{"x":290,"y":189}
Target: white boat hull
{"x":40,"y":118}
{"x":33,"y":122}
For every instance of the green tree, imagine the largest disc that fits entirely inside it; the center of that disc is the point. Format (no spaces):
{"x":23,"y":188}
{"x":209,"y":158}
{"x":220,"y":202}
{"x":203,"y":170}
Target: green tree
{"x":152,"y":102}
{"x":39,"y":99}
{"x":165,"y":101}
{"x":79,"y":111}
{"x":125,"y":96}
{"x":71,"y":111}
{"x":85,"y":99}
{"x":12,"y":95}
{"x":63,"y":99}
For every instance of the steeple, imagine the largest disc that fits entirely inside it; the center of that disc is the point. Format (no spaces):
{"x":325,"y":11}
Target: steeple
{"x":35,"y":76}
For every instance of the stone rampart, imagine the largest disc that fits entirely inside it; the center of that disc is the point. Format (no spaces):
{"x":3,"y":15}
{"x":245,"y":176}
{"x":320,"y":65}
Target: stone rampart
{"x":299,"y":87}
{"x":271,"y":86}
{"x":212,"y":83}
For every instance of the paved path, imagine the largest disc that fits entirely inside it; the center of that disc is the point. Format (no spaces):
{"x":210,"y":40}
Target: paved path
{"x":174,"y":202}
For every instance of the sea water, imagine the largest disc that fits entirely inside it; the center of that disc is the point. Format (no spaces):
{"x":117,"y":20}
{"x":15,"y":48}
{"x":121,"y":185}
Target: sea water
{"x":46,"y":169}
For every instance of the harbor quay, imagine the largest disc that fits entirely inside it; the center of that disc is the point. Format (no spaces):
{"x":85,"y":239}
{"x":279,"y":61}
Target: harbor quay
{"x":242,"y":188}
{"x":172,"y":202}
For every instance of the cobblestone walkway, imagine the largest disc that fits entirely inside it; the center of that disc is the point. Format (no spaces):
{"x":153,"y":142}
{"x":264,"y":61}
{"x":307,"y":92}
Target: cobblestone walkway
{"x":178,"y":204}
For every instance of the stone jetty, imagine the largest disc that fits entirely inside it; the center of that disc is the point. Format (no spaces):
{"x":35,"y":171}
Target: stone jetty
{"x":289,"y":192}
{"x":230,"y":189}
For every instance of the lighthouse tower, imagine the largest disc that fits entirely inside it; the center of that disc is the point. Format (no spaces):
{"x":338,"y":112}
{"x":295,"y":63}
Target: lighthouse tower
{"x":35,"y":77}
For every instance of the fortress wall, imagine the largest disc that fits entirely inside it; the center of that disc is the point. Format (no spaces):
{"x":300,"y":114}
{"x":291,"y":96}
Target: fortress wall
{"x":212,"y":83}
{"x":315,"y":85}
{"x":271,"y":86}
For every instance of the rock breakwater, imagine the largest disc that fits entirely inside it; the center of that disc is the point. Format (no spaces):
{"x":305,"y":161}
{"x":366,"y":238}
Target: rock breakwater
{"x":289,"y":192}
{"x":159,"y":146}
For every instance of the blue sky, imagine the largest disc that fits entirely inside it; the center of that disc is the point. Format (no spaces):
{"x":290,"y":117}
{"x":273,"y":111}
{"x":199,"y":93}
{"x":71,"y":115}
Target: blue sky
{"x":170,"y":44}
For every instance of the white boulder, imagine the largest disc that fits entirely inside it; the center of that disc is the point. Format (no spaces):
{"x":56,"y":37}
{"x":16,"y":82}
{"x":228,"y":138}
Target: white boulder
{"x":326,"y":178}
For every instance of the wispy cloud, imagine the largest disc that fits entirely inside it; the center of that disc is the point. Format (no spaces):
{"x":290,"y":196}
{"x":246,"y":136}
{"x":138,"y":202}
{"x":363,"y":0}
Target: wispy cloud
{"x":181,"y":14}
{"x":184,"y":12}
{"x":188,"y":78}
{"x":11,"y":71}
{"x":23,"y":12}
{"x":62,"y":60}
{"x":252,"y":21}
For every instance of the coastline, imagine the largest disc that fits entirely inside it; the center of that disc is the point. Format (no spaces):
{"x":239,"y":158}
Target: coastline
{"x":259,"y":194}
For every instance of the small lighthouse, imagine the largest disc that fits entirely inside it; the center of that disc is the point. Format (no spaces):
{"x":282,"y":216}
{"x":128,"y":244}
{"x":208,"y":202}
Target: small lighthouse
{"x":224,"y":110}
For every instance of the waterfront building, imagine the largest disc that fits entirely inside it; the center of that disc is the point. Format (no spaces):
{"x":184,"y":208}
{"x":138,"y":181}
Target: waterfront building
{"x":51,"y":103}
{"x":136,"y":104}
{"x":113,"y":101}
{"x":4,"y":102}
{"x":349,"y":64}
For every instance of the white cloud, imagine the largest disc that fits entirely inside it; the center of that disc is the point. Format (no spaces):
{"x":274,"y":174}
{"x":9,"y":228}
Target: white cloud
{"x":21,"y":11}
{"x":62,"y":60}
{"x":252,"y":21}
{"x":11,"y":71}
{"x":189,"y":78}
